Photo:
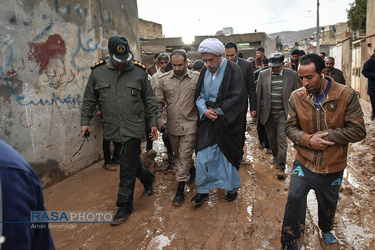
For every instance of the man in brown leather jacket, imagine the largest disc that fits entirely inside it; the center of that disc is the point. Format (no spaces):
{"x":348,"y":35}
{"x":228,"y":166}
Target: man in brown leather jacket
{"x":324,"y":116}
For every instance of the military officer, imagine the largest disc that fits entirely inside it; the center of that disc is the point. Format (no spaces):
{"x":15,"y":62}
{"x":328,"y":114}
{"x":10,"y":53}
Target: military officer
{"x":123,"y":88}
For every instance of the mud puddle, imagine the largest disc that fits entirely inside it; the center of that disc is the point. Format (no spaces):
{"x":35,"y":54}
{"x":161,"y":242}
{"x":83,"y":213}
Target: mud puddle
{"x":252,"y":221}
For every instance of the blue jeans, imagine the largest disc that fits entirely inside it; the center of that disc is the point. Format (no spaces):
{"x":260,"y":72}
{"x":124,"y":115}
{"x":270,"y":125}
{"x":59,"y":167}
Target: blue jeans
{"x":326,"y":187}
{"x":130,"y":169}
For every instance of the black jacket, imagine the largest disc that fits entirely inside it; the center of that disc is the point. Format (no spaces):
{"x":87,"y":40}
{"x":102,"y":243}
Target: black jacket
{"x":248,"y":76}
{"x":227,"y":131}
{"x":369,"y":72}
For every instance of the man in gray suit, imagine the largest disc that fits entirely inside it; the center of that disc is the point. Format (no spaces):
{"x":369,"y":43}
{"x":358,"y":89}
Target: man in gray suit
{"x":274,"y":87}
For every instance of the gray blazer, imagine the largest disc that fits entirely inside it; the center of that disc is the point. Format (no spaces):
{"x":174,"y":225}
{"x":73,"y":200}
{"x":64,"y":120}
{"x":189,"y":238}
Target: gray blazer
{"x":264,"y":91}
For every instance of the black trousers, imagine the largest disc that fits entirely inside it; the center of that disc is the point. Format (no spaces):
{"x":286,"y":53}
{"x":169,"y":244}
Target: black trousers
{"x":107,"y":150}
{"x":262,"y":135}
{"x":326,"y":187}
{"x":372,"y":99}
{"x":130,"y":169}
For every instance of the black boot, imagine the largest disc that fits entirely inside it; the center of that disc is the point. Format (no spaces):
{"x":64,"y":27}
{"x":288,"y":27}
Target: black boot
{"x":231,"y":197}
{"x":149,"y":190}
{"x":121,"y":216}
{"x":168,"y":145}
{"x":198,"y":199}
{"x":180,"y":196}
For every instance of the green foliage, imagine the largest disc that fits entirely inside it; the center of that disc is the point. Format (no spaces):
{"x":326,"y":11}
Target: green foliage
{"x":357,"y":15}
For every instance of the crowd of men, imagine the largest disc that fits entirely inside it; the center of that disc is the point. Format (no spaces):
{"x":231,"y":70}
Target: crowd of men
{"x":202,"y":107}
{"x":206,"y":104}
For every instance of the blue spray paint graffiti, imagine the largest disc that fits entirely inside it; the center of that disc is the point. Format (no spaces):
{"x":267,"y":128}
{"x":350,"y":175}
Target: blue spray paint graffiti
{"x":21,"y":99}
{"x":90,"y":47}
{"x":85,"y":11}
{"x":101,"y":14}
{"x":7,"y":45}
{"x":55,"y":100}
{"x":44,"y":32}
{"x":85,"y":44}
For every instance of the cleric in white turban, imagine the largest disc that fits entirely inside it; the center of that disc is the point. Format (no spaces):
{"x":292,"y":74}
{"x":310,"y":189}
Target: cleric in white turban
{"x":220,"y":98}
{"x":211,"y":46}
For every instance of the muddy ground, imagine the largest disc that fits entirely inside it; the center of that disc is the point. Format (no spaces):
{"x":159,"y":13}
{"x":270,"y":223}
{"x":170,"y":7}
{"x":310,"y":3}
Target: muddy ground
{"x":252,"y":221}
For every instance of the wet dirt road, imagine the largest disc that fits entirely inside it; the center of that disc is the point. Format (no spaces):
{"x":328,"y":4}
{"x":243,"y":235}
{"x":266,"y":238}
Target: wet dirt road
{"x":252,"y":221}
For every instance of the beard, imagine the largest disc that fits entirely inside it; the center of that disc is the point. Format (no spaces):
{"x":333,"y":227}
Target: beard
{"x":212,"y":69}
{"x":179,"y":72}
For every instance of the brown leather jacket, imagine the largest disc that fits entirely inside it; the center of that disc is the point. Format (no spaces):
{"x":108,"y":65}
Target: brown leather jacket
{"x":341,"y":115}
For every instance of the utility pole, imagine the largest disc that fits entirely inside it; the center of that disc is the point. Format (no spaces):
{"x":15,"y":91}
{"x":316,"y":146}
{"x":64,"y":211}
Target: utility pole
{"x":317,"y":29}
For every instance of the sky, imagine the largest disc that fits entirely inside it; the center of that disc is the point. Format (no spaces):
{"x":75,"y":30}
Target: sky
{"x":191,"y":18}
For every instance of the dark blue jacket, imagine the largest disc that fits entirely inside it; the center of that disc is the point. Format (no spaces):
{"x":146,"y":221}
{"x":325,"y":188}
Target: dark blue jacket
{"x":21,"y":193}
{"x":369,"y":72}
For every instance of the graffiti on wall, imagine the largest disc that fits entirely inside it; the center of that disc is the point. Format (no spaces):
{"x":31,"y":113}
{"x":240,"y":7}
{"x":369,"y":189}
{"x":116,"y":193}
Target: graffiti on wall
{"x":44,"y":52}
{"x":83,"y":12}
{"x":61,"y":66}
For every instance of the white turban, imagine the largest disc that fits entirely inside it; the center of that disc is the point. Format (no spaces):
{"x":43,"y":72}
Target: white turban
{"x":211,"y":46}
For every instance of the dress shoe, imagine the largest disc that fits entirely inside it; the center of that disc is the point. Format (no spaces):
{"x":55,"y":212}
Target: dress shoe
{"x":231,"y":197}
{"x":372,"y":117}
{"x":121,"y":216}
{"x":261,"y":145}
{"x":109,"y":167}
{"x":198,"y":199}
{"x":281,"y":173}
{"x":268,"y":151}
{"x":149,"y":190}
{"x":180,"y":196}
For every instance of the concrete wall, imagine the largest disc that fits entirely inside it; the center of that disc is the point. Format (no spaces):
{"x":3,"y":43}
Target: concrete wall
{"x":334,"y":34}
{"x":368,"y":45}
{"x":336,"y":53}
{"x":168,"y":42}
{"x":346,"y":63}
{"x":47,"y":48}
{"x":149,"y":29}
{"x":370,"y":22}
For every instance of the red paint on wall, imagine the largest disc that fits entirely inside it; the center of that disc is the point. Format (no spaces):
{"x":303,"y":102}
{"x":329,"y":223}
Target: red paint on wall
{"x":43,"y":53}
